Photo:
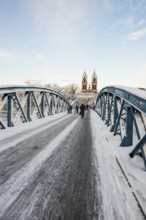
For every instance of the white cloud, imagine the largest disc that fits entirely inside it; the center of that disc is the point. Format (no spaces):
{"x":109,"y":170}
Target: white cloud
{"x":55,"y":14}
{"x":137,"y":34}
{"x":5,"y":56}
{"x":64,"y":21}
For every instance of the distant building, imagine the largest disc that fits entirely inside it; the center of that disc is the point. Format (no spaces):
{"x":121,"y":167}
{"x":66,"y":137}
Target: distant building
{"x":86,"y":87}
{"x":84,"y":82}
{"x":88,"y":92}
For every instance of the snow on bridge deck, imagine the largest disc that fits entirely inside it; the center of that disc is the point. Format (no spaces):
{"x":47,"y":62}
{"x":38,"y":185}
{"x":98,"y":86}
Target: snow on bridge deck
{"x":68,"y":168}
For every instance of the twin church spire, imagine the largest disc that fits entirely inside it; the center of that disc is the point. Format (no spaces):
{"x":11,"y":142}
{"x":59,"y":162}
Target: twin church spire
{"x":86,"y":87}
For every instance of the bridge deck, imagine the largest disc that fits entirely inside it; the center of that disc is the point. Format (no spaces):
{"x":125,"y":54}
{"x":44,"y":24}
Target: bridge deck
{"x":66,"y":169}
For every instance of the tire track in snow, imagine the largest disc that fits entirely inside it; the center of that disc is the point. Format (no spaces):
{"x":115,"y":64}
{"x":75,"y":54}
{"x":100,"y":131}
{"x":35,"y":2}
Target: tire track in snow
{"x":27,"y":135}
{"x":67,"y":187}
{"x":17,"y":156}
{"x":14,"y":186}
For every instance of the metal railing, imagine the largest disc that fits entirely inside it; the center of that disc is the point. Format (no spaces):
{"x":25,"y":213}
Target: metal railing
{"x":26,"y":103}
{"x":124,"y":109}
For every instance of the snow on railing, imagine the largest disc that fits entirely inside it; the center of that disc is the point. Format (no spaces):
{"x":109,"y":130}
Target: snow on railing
{"x":24,"y":103}
{"x":124,"y":108}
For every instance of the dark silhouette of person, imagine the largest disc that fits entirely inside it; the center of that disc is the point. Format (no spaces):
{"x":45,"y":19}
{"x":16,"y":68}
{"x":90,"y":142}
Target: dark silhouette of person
{"x":82,"y":109}
{"x":69,"y":109}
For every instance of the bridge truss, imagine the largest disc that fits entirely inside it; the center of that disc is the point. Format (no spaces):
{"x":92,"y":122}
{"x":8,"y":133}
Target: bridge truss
{"x":24,"y":104}
{"x":124,"y":109}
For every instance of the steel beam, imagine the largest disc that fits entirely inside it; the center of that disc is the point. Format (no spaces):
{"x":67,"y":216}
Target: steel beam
{"x":10,"y":110}
{"x":29,"y":106}
{"x":43,"y":104}
{"x":138,"y":146}
{"x":128,"y":137}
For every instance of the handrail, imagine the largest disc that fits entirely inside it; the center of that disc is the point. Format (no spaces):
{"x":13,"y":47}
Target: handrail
{"x":27,"y":102}
{"x":9,"y":89}
{"x":127,"y":93}
{"x":124,"y":108}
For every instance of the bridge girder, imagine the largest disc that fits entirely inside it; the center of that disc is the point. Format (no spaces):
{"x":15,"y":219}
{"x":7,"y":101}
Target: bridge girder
{"x":27,"y":103}
{"x":124,"y":112}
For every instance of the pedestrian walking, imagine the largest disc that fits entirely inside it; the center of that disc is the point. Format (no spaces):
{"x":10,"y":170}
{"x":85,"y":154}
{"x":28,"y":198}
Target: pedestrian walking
{"x":82,"y":110}
{"x":77,"y":108}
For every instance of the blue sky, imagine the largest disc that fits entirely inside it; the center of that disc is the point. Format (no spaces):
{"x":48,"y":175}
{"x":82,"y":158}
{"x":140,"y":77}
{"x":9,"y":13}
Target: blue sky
{"x":56,"y":40}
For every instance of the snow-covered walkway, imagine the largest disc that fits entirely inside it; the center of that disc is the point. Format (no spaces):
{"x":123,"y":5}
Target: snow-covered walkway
{"x":68,"y":168}
{"x":122,"y":178}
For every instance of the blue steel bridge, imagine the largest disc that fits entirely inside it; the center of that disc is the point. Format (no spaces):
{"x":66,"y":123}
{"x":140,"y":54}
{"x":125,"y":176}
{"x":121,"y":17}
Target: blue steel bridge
{"x":69,"y":189}
{"x":121,"y":109}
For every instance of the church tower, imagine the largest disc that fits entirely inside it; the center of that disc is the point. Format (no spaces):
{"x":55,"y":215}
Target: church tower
{"x":94,"y":82}
{"x":84,"y":82}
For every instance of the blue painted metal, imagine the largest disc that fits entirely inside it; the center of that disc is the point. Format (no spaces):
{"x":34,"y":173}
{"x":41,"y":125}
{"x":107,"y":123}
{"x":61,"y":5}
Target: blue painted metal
{"x":29,"y":106}
{"x":19,"y":108}
{"x":36,"y":106}
{"x":138,"y":147}
{"x":128,"y":138}
{"x":2,"y":125}
{"x":43,"y":104}
{"x":47,"y":104}
{"x":10,"y":110}
{"x":51,"y":105}
{"x":144,"y":157}
{"x":103,"y":106}
{"x":135,"y":123}
{"x":115,"y":114}
{"x":110,"y":104}
{"x":133,"y":99}
{"x":119,"y":116}
{"x":34,"y":101}
{"x":119,"y":106}
{"x":140,"y":114}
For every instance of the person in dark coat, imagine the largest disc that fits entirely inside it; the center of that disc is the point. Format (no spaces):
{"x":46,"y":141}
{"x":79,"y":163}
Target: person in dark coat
{"x":69,"y":109}
{"x":82,"y":110}
{"x":77,"y":108}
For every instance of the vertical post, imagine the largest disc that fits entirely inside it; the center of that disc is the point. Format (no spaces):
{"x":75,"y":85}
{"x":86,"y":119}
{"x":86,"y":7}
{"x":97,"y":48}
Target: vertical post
{"x":128,"y":138}
{"x":138,"y":146}
{"x":119,"y":117}
{"x":57,"y":104}
{"x":135,"y":124}
{"x":115,"y":114}
{"x":51,"y":104}
{"x":109,"y":106}
{"x":61,"y":105}
{"x":59,"y":110}
{"x":29,"y":106}
{"x":103,"y":107}
{"x":43,"y":104}
{"x":10,"y":110}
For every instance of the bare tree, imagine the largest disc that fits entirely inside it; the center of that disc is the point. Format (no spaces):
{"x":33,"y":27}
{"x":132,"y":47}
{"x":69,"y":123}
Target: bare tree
{"x":68,"y":91}
{"x":33,"y":83}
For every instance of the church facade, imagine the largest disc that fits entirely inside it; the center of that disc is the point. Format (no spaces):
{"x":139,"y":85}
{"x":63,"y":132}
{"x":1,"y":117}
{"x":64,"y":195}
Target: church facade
{"x":89,"y":88}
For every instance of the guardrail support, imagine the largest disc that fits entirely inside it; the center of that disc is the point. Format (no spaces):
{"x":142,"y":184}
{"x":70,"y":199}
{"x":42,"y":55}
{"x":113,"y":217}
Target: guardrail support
{"x":29,"y":106}
{"x":138,"y":147}
{"x":128,"y":138}
{"x":115,"y":114}
{"x":10,"y":110}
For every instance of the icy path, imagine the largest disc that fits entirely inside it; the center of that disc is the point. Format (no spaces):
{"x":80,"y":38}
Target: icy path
{"x":63,"y":169}
{"x":118,"y":199}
